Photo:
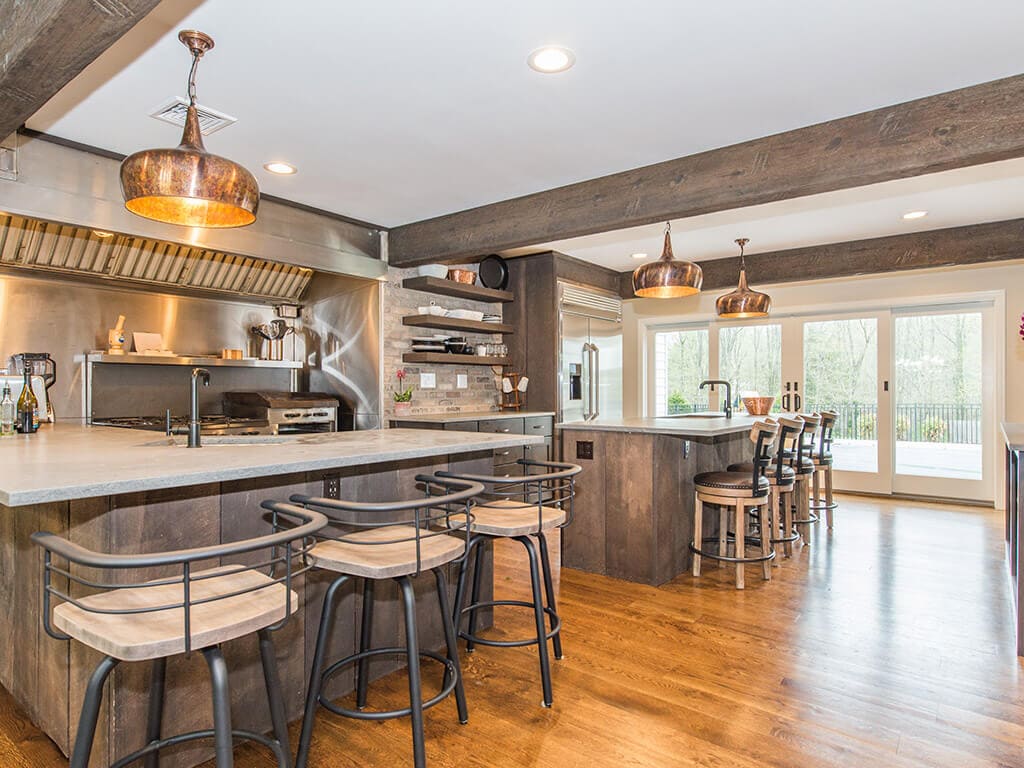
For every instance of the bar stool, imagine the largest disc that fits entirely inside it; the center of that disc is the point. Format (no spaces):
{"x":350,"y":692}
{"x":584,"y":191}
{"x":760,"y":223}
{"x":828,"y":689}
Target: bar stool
{"x":821,"y":455}
{"x":153,"y":620}
{"x":801,"y":461}
{"x":782,"y":480}
{"x":522,"y":509}
{"x":749,"y":494}
{"x":391,"y":540}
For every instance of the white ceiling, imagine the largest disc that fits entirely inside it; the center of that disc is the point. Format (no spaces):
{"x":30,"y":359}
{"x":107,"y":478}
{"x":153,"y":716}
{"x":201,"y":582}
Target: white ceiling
{"x":402,"y":110}
{"x":981,"y":193}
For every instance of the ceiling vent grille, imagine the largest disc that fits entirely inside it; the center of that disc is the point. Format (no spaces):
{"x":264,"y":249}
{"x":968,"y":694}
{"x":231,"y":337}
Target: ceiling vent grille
{"x":210,"y":120}
{"x":44,"y":245}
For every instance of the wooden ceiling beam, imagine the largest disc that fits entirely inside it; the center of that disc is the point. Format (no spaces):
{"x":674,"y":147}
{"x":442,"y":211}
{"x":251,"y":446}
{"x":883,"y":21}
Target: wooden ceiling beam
{"x":956,"y":246}
{"x":46,"y":43}
{"x":979,"y":124}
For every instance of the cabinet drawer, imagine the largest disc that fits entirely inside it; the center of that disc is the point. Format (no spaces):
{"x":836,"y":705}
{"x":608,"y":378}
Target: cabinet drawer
{"x":509,"y":470}
{"x":462,"y":426}
{"x":507,"y":455}
{"x":502,"y":426}
{"x":539,"y":452}
{"x":539,"y":425}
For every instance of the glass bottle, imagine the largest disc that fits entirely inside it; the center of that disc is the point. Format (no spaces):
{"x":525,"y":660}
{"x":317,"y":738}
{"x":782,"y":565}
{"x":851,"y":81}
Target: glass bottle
{"x":7,"y":412}
{"x":28,"y":406}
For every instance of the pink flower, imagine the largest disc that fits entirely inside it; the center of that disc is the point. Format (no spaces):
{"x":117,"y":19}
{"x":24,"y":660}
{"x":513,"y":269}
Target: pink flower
{"x":400,"y":373}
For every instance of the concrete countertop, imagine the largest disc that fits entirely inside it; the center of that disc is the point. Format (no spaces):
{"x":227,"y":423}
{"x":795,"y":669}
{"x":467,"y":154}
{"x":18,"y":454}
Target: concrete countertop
{"x":695,"y":427}
{"x":454,"y":418}
{"x":63,"y":462}
{"x":1013,"y":433}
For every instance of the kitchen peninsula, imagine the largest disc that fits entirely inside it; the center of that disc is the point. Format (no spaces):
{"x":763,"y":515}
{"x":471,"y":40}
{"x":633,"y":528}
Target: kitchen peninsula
{"x":122,"y":491}
{"x":634,"y":502}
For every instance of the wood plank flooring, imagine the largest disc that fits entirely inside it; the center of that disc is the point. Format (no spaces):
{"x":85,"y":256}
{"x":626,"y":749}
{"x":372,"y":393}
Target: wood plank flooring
{"x":887,"y":642}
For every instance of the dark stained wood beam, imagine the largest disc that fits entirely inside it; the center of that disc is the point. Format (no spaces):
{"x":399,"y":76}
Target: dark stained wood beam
{"x":46,"y":43}
{"x":975,"y":244}
{"x":979,"y":124}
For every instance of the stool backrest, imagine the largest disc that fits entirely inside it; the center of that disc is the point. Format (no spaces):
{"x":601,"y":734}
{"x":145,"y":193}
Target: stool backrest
{"x":444,"y":506}
{"x":828,"y":423}
{"x":806,"y":443}
{"x":281,"y":554}
{"x":763,"y":434}
{"x":789,"y":431}
{"x":542,"y":484}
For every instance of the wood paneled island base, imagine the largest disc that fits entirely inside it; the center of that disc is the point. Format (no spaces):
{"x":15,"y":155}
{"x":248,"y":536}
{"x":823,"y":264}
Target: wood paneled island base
{"x":635,"y":497}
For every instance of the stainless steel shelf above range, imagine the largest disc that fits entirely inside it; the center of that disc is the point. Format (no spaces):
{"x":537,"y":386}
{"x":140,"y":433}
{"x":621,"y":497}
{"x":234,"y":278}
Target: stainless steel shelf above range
{"x":135,"y":359}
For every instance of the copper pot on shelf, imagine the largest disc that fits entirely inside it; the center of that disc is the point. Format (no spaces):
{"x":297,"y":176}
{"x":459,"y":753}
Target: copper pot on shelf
{"x":466,"y":276}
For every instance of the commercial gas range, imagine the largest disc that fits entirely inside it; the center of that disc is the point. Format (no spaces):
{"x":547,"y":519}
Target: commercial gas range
{"x":248,"y":413}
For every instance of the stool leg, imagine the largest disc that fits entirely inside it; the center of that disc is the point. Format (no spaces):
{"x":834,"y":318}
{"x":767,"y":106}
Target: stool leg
{"x":766,"y":546}
{"x":460,"y":588}
{"x":723,"y":531}
{"x":365,"y":638}
{"x":415,"y":686}
{"x":451,"y":642}
{"x":323,"y":639}
{"x":272,"y":682}
{"x":741,"y":533}
{"x":154,"y":720}
{"x":538,"y":614}
{"x":816,"y":487}
{"x":222,"y":738}
{"x":828,"y":495}
{"x":774,"y":514}
{"x":786,"y":504}
{"x":474,"y":596}
{"x":698,"y":532}
{"x":549,"y":589}
{"x":90,"y":713}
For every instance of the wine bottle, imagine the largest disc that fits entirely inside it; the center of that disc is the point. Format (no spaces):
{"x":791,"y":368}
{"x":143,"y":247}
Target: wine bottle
{"x":28,"y":418}
{"x":7,"y":412}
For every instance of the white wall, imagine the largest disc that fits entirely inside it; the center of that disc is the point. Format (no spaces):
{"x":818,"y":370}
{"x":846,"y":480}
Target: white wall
{"x":884,"y":290}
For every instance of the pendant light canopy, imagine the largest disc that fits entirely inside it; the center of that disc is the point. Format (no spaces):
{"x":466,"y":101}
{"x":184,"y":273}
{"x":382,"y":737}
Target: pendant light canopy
{"x":188,"y":185}
{"x":667,"y":278}
{"x":743,"y":302}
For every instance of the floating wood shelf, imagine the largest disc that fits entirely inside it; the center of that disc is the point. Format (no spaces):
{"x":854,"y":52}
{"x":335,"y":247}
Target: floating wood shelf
{"x":443,"y":358}
{"x":454,"y":324}
{"x":445,"y":287}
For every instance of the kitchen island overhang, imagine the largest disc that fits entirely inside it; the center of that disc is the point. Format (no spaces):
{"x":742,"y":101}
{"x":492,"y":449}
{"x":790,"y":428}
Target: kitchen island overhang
{"x":123,"y":491}
{"x":635,"y":497}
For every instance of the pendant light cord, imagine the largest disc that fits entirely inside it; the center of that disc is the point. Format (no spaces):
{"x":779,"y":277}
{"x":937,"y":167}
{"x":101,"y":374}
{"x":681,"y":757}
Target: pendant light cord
{"x":196,"y":55}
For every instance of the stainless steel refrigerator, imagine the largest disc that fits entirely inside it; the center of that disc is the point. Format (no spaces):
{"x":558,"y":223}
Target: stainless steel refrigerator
{"x":590,"y":361}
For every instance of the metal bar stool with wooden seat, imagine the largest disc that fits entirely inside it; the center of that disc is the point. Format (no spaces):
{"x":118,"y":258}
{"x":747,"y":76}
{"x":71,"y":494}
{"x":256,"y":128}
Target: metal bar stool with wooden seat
{"x":390,"y":540}
{"x":782,"y":479}
{"x":821,"y":455}
{"x":153,"y":619}
{"x":522,"y":509}
{"x":749,"y":494}
{"x":802,"y":463}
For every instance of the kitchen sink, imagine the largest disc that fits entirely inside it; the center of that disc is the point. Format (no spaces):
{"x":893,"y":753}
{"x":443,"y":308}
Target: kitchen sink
{"x":181,"y":441}
{"x":703,"y":415}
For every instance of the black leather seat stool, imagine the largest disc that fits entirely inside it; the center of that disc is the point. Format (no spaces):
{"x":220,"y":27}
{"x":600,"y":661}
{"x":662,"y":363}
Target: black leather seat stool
{"x":821,"y":455}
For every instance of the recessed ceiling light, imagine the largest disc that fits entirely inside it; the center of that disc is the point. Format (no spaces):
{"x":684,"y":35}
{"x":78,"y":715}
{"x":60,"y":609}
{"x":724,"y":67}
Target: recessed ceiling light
{"x":914,"y":215}
{"x":639,"y":255}
{"x":101,"y":233}
{"x":281,"y":168}
{"x":550,"y":59}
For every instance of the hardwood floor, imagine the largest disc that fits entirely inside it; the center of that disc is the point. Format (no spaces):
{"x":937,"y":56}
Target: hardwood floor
{"x":886,"y":643}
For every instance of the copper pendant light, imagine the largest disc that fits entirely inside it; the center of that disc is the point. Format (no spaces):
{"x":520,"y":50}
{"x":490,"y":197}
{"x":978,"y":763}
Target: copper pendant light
{"x":187,"y":185}
{"x":667,"y":278}
{"x":743,"y":302}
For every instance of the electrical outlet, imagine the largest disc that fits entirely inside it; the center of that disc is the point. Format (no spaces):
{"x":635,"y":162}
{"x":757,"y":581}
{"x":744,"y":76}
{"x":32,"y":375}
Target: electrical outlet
{"x":585,"y":449}
{"x":461,"y":381}
{"x":428,"y":381}
{"x":332,"y":487}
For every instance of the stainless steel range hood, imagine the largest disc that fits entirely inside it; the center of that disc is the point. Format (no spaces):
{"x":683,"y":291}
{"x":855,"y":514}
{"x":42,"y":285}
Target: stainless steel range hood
{"x":62,"y":248}
{"x":79,"y":190}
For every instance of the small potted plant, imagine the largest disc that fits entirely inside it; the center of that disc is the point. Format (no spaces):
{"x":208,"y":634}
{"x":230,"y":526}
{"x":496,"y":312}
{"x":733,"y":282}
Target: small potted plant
{"x":402,"y":397}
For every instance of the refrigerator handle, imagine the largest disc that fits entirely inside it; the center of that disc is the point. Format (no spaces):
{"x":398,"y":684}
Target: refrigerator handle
{"x":585,"y":364}
{"x":595,"y":380}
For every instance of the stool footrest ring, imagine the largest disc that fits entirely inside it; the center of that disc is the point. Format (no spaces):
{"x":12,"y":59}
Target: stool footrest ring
{"x":510,"y":643}
{"x":722,"y":558}
{"x":820,"y":504}
{"x":811,"y":518}
{"x":171,"y":741}
{"x":337,"y":666}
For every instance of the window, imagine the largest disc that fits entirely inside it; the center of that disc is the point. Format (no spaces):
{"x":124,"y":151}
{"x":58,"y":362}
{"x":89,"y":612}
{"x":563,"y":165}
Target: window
{"x":680,"y":365}
{"x":750,"y":357}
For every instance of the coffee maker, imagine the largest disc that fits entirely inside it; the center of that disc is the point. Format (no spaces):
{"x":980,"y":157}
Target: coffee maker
{"x":41,"y":365}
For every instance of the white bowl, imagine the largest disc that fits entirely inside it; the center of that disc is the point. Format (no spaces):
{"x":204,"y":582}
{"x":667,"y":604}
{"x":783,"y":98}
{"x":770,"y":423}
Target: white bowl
{"x":423,"y":310}
{"x":434,"y":270}
{"x":466,"y":314}
{"x":437,"y":310}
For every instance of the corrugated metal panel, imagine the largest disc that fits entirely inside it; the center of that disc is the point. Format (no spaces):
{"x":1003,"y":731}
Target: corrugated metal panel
{"x":45,"y":245}
{"x":585,"y":302}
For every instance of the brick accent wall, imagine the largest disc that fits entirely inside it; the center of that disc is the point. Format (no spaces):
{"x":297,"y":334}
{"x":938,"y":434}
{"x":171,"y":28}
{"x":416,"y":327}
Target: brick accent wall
{"x":482,"y":394}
